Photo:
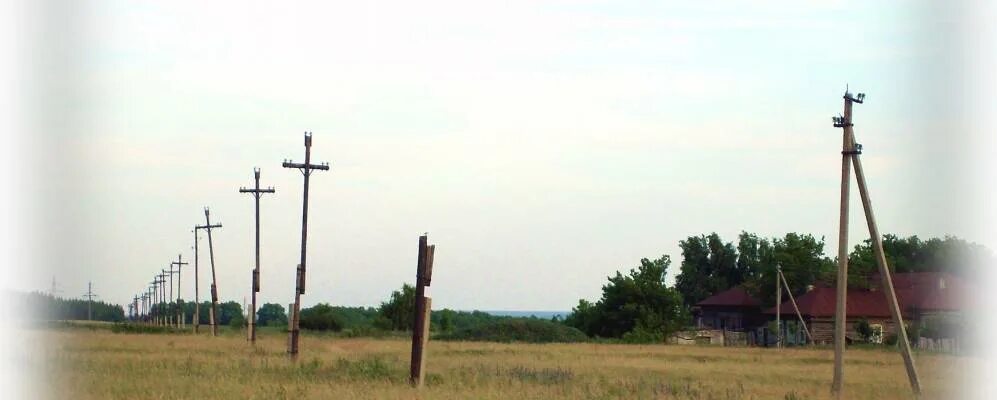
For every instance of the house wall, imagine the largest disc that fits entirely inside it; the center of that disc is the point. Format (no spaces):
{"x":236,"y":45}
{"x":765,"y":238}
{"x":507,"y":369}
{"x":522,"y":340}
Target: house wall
{"x":823,"y":328}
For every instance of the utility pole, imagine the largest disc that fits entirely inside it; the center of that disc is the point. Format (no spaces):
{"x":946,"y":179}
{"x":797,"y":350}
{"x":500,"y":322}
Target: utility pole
{"x":852,"y":151}
{"x":423,"y":307}
{"x":90,"y":295}
{"x":843,"y":121}
{"x":155,"y":297}
{"x":793,"y":302}
{"x":168,"y":296}
{"x":180,"y":312}
{"x":257,"y":192}
{"x":197,"y":302}
{"x":778,"y":307}
{"x":55,"y":289}
{"x":306,"y":170}
{"x":135,"y":308}
{"x":214,"y":282}
{"x":162,"y":298}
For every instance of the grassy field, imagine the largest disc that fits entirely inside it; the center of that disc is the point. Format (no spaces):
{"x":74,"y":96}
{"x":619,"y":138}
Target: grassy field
{"x":99,"y":364}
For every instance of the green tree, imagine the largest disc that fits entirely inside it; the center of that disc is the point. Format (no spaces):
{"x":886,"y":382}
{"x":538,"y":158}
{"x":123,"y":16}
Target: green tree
{"x":399,"y":310}
{"x":911,"y":254}
{"x":227,"y":311}
{"x":803,"y":263}
{"x":709,"y":266}
{"x":639,"y":302}
{"x":271,"y":314}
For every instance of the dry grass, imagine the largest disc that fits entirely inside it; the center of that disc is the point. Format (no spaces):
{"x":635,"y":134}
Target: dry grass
{"x":103,"y":365}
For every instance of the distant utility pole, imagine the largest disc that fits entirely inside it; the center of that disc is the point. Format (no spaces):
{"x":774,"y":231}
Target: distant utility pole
{"x":90,"y":295}
{"x":850,"y":153}
{"x":778,"y":307}
{"x":154,"y":306}
{"x":197,"y":301}
{"x":423,"y":308}
{"x":792,"y":301}
{"x":214,"y":282}
{"x":162,"y":298}
{"x":180,"y":312}
{"x":257,"y":192}
{"x":306,"y":170}
{"x":168,"y":296}
{"x":135,"y":308}
{"x":55,"y":289}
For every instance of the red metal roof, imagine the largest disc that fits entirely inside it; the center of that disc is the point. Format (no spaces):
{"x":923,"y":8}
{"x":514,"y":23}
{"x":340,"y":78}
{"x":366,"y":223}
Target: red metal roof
{"x":735,"y":296}
{"x":923,"y":291}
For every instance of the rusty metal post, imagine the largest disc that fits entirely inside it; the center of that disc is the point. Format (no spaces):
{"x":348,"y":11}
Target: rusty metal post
{"x":423,"y":308}
{"x":306,"y":170}
{"x":840,"y":317}
{"x":887,"y":282}
{"x":257,"y":192}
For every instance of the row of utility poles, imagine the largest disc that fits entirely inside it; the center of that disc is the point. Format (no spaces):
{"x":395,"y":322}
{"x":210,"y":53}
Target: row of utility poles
{"x":154,"y":305}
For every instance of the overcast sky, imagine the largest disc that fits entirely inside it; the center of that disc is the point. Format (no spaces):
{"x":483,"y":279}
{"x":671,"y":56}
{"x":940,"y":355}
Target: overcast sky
{"x":542,"y":145}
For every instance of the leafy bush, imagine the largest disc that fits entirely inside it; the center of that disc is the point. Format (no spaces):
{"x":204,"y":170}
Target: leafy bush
{"x":527,"y":330}
{"x":321,"y":317}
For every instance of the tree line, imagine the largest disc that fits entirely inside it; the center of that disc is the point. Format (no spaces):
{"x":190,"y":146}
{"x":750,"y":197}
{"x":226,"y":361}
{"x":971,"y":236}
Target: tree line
{"x":639,"y":307}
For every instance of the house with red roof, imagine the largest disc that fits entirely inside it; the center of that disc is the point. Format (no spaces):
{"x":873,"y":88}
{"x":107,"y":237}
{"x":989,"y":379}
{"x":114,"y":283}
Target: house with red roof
{"x":920,"y":295}
{"x":733,"y":309}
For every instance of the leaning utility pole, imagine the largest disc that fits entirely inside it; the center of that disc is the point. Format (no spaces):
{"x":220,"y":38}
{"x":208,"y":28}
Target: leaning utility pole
{"x":851,"y":151}
{"x":213,"y":312}
{"x":180,"y":312}
{"x":792,"y":301}
{"x":423,"y":307}
{"x":306,"y":170}
{"x":257,"y":192}
{"x":90,"y":295}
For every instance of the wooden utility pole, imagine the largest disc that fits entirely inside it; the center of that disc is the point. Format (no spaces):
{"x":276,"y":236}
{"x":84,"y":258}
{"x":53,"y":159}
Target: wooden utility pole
{"x":257,"y":192}
{"x":851,"y":152}
{"x":797,"y":309}
{"x":306,"y":170}
{"x":843,"y":121}
{"x":778,"y":307}
{"x":423,"y":307}
{"x":168,"y":312}
{"x":213,"y":311}
{"x":162,"y":298}
{"x":135,"y":309}
{"x":197,"y":301}
{"x":89,"y":295}
{"x":180,"y":311}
